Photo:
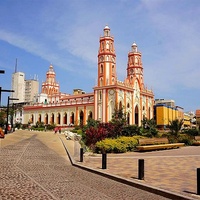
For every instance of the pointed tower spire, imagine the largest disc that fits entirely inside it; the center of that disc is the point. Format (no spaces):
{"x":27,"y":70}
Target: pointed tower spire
{"x":106,"y":59}
{"x":134,"y":66}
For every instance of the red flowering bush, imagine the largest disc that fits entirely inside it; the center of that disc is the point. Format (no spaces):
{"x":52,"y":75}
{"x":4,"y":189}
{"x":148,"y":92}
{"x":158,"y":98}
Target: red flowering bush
{"x":94,"y":135}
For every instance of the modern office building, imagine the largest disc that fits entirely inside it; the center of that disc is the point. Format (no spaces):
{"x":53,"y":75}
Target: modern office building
{"x":131,"y":94}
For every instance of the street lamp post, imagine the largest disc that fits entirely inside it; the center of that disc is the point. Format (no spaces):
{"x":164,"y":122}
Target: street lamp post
{"x":6,"y":129}
{"x":4,"y":91}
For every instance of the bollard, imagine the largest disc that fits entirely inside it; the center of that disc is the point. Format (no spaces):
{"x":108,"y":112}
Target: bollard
{"x":81,"y":154}
{"x":141,"y":169}
{"x":198,"y":181}
{"x":104,"y":160}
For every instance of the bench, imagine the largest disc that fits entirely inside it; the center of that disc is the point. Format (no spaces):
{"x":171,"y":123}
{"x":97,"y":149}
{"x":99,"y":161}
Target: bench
{"x":150,"y":144}
{"x":196,"y":141}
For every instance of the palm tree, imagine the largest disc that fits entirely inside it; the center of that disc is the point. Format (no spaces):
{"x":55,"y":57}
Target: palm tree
{"x":175,"y":126}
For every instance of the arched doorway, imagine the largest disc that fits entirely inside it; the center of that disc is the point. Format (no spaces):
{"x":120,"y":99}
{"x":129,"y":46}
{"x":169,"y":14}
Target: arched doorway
{"x":136,"y":116}
{"x":65,"y":118}
{"x":81,"y":117}
{"x":46,"y":119}
{"x":39,"y":118}
{"x":32,"y":118}
{"x":52,"y":118}
{"x":72,"y":118}
{"x":58,"y":118}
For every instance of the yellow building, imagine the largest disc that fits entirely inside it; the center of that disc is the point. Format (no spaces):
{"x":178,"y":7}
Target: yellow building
{"x":163,"y":114}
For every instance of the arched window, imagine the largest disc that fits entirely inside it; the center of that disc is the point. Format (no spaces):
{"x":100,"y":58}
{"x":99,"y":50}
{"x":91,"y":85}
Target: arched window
{"x":100,"y":95}
{"x":113,"y":68}
{"x":120,"y":105}
{"x":136,"y":116}
{"x":107,"y":45}
{"x":101,"y":69}
{"x":113,"y":80}
{"x":101,"y":81}
{"x":90,"y":115}
{"x":102,"y":45}
{"x":128,"y":118}
{"x":128,"y":105}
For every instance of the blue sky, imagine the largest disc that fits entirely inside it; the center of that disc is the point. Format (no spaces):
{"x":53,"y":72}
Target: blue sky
{"x":66,"y":33}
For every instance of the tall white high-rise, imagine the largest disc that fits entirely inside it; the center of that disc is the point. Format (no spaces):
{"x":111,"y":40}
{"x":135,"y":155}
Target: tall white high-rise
{"x":18,"y":85}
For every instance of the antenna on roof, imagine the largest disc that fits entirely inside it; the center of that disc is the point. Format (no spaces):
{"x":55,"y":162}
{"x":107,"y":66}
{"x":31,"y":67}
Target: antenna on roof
{"x":16,"y":66}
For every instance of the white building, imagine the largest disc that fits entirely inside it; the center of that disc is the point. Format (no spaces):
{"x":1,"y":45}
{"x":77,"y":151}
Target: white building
{"x":18,"y":85}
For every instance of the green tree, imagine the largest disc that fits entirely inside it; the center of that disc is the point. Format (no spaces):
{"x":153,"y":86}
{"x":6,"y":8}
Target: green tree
{"x":118,"y":121}
{"x":2,"y":117}
{"x":149,"y":127}
{"x":175,"y":126}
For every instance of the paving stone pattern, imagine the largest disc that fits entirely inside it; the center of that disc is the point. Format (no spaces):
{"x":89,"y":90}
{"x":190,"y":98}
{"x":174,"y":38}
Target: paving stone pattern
{"x":32,"y":170}
{"x":171,"y":170}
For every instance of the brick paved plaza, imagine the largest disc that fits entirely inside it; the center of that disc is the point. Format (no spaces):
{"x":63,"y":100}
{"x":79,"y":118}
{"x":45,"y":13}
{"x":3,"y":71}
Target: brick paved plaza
{"x":34,"y":165}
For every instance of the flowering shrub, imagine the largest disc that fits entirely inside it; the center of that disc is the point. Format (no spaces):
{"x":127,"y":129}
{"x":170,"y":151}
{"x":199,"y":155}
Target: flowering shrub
{"x":94,"y":135}
{"x":119,"y":145}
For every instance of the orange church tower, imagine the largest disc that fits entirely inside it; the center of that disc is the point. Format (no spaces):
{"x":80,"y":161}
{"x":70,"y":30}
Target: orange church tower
{"x":106,"y":60}
{"x":134,"y":66}
{"x":50,"y":86}
{"x":106,"y":75}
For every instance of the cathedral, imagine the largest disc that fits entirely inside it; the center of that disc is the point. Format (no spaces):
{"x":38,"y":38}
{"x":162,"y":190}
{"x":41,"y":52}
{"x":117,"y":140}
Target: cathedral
{"x":62,"y":109}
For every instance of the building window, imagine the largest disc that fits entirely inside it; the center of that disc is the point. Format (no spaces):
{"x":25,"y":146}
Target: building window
{"x":113,"y":68}
{"x":100,"y":95}
{"x":101,"y":69}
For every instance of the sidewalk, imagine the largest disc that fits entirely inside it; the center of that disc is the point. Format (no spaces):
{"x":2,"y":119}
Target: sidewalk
{"x":171,"y":170}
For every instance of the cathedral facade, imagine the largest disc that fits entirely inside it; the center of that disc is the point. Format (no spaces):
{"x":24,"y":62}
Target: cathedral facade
{"x":131,"y":94}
